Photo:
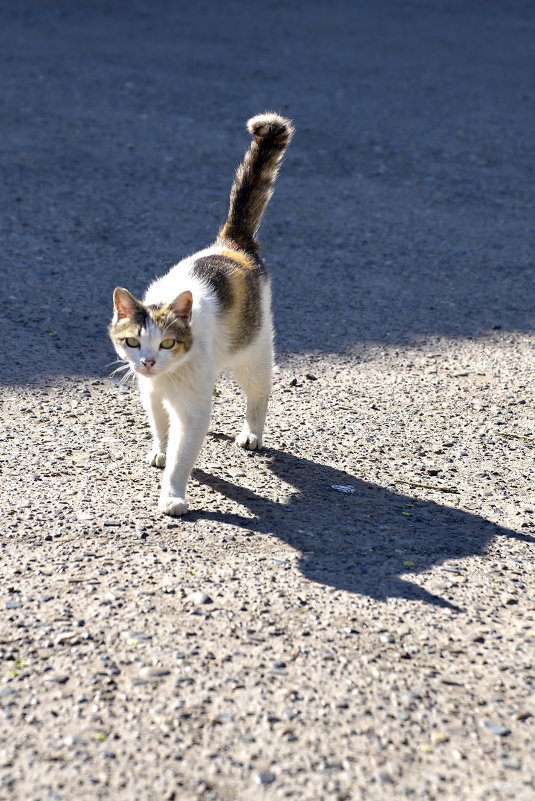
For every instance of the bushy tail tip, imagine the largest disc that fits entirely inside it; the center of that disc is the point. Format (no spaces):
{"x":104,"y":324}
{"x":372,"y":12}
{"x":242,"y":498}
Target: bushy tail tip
{"x":270,"y":125}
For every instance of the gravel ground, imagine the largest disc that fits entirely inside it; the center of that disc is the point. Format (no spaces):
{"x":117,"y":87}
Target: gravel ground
{"x":347,"y":615}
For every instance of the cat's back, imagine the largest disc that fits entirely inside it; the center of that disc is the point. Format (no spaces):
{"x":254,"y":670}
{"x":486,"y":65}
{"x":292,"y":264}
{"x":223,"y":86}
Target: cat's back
{"x":228,"y":283}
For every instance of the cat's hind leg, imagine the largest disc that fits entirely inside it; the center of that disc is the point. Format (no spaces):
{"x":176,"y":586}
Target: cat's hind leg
{"x":253,"y":372}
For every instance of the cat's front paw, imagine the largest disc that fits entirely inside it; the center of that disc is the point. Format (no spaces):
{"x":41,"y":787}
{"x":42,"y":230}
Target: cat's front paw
{"x":156,"y":458}
{"x":170,"y":505}
{"x":249,"y":441}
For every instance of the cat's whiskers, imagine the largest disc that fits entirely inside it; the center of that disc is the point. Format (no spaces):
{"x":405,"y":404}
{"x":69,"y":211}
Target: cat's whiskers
{"x":119,"y":369}
{"x":128,"y":378}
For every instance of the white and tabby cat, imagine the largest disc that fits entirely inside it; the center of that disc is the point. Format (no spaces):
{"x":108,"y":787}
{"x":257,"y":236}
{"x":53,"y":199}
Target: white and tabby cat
{"x":211,"y":311}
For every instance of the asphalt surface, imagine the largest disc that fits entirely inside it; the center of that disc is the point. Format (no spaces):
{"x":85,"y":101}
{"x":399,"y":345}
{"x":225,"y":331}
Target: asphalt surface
{"x":349,"y":614}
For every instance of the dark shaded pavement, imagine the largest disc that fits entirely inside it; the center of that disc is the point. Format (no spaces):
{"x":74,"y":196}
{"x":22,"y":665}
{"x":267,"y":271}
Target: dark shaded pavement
{"x":404,"y":209}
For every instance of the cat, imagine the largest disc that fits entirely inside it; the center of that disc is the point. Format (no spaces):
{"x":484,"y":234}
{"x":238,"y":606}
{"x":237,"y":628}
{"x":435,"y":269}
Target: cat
{"x":210,"y":312}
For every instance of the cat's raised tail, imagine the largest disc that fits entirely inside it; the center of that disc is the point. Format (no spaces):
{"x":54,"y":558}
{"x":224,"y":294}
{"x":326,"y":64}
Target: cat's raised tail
{"x":255,"y":178}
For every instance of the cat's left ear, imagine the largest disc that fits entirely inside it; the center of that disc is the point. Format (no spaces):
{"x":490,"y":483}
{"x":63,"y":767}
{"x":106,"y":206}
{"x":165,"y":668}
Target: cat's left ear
{"x":124,"y":303}
{"x":181,"y":306}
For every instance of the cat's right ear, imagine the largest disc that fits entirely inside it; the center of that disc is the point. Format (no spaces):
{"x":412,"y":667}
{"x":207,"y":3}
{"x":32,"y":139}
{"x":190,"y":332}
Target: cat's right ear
{"x":124,"y":303}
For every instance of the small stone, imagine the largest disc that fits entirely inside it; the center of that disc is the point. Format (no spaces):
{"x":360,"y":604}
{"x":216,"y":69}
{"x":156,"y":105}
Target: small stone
{"x":496,"y":728}
{"x":282,"y":562}
{"x":432,"y":777}
{"x":509,"y":600}
{"x":57,"y":678}
{"x":264,"y":777}
{"x":387,"y":637}
{"x":293,"y":382}
{"x":69,"y":637}
{"x":199,"y":597}
{"x":311,"y":377}
{"x":511,"y":764}
{"x":347,"y":489}
{"x":153,"y":672}
{"x":235,"y":472}
{"x":439,"y":737}
{"x":75,"y":740}
{"x":13,"y":604}
{"x":134,"y":637}
{"x":385,"y":777}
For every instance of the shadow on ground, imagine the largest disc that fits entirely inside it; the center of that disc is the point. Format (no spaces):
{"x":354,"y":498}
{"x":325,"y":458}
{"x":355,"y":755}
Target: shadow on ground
{"x":363,"y":542}
{"x":406,"y":196}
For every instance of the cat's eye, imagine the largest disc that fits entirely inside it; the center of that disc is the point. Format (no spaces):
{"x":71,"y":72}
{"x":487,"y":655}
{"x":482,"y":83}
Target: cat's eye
{"x":167,"y":344}
{"x":132,"y":342}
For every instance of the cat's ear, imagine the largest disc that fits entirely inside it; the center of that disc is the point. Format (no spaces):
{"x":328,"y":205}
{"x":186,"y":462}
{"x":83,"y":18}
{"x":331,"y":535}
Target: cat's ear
{"x":181,"y":306}
{"x":124,"y":303}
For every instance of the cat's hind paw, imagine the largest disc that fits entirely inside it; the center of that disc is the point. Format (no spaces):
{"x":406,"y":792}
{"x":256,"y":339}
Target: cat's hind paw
{"x":170,"y":505}
{"x":156,"y":459}
{"x":249,"y":441}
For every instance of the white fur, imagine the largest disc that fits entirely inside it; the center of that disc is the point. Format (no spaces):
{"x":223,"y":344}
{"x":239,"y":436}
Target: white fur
{"x":177,"y":395}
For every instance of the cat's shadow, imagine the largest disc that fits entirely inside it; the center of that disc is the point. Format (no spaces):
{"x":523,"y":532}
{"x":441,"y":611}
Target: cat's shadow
{"x":367,"y":541}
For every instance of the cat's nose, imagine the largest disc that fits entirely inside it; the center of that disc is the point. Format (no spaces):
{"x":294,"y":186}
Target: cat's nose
{"x":148,"y":363}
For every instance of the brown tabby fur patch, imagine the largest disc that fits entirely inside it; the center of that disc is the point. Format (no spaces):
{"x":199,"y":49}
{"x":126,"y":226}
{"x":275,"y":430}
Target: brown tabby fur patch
{"x":235,"y":278}
{"x":171,"y":327}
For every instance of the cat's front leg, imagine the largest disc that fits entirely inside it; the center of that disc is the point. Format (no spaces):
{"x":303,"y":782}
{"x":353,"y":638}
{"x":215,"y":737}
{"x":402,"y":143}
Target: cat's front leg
{"x":158,"y":421}
{"x":188,"y":427}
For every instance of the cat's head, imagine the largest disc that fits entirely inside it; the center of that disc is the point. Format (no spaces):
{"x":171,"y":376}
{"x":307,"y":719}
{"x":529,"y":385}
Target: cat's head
{"x":151,"y":339}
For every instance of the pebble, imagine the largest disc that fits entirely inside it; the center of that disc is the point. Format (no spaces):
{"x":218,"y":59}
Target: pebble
{"x":496,"y":728}
{"x":235,"y":472}
{"x":347,"y":489}
{"x":264,"y":777}
{"x":68,"y":636}
{"x":438,"y":737}
{"x":388,"y":637}
{"x":385,"y":777}
{"x":13,"y":604}
{"x":282,"y":562}
{"x":57,"y":678}
{"x":511,"y":764}
{"x":75,"y":740}
{"x":199,"y":597}
{"x":137,"y":636}
{"x":153,"y":672}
